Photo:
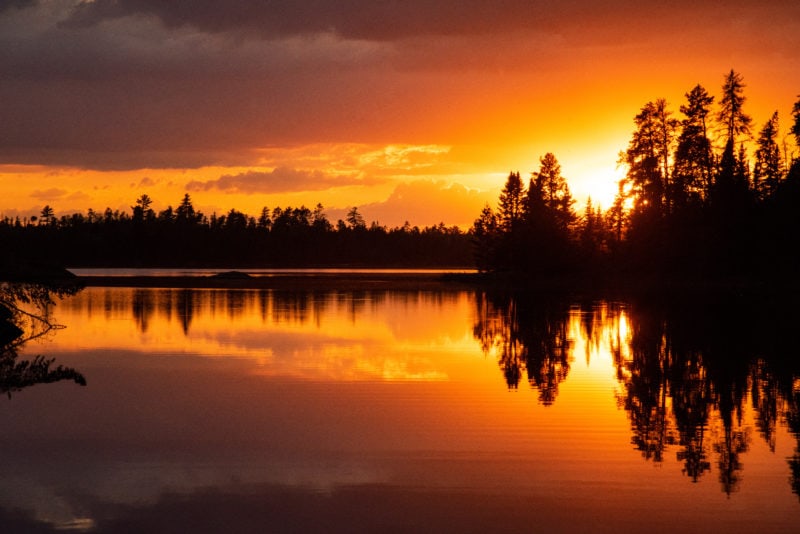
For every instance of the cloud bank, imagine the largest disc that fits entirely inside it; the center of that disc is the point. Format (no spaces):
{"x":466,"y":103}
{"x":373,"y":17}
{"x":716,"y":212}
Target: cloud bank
{"x":427,"y":203}
{"x":129,"y":84}
{"x":279,"y":180}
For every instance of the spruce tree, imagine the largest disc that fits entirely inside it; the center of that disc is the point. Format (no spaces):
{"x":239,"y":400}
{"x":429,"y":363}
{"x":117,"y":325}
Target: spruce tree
{"x":768,"y":167}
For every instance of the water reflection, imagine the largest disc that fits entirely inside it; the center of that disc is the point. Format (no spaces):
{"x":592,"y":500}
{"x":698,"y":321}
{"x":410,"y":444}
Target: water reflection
{"x":404,"y":408}
{"x":25,"y":316}
{"x":526,"y":336}
{"x":277,"y":306}
{"x":316,"y":334}
{"x":688,"y":371}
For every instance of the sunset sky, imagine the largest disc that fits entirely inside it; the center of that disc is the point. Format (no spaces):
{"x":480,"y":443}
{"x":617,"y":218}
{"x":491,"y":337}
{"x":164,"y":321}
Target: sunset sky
{"x":413,"y":110}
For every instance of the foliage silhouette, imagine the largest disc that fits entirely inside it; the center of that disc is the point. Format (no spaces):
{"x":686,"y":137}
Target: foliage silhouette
{"x":18,"y":326}
{"x":185,"y":237}
{"x":685,"y":209}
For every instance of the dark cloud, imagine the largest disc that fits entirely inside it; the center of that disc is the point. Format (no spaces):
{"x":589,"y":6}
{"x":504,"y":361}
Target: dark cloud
{"x":131,"y":84}
{"x":279,"y":180}
{"x":357,"y":19}
{"x":389,"y":20}
{"x":152,"y":99}
{"x":18,"y":4}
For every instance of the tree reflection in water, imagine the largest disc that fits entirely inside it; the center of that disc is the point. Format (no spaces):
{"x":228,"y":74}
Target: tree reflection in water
{"x":527,"y":336}
{"x":24,"y":316}
{"x":688,"y":370}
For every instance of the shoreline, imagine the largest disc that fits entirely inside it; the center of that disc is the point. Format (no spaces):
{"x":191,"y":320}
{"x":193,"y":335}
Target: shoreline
{"x":290,"y":281}
{"x":597,"y":285}
{"x":612,"y":287}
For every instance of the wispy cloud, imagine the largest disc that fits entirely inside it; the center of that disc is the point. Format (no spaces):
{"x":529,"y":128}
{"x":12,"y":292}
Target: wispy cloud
{"x":408,"y":158}
{"x":54,"y":193}
{"x":278,"y":180}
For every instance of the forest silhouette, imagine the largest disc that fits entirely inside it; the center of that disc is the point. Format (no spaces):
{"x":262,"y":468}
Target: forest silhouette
{"x":185,"y":237}
{"x":693,"y":204}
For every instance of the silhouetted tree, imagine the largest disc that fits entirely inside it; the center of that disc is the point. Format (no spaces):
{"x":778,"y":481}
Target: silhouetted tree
{"x":47,"y":216}
{"x":692,"y":169}
{"x":646,"y":181}
{"x":592,"y":235}
{"x":319,"y":220}
{"x":484,"y":239}
{"x":617,"y":217}
{"x":796,"y":125}
{"x":511,"y":207}
{"x":741,"y":171}
{"x":185,"y":213}
{"x":166,"y":215}
{"x":549,"y":220}
{"x":647,"y":157}
{"x":264,"y":220}
{"x":355,"y":220}
{"x":731,"y":115}
{"x":142,"y":210}
{"x":768,"y":167}
{"x":509,"y":249}
{"x":554,"y":191}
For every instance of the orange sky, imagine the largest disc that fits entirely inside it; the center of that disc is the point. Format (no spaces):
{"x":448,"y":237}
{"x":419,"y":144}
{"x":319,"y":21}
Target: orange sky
{"x":411,"y":111}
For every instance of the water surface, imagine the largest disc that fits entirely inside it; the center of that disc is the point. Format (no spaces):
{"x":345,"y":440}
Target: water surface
{"x":419,"y":411}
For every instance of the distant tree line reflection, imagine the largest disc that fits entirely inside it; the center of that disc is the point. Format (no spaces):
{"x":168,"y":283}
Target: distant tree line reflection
{"x":689,"y":371}
{"x":276,"y":306}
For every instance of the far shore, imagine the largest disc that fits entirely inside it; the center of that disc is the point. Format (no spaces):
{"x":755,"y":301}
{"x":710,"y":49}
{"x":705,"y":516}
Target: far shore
{"x":585,"y":285}
{"x":613,"y":287}
{"x":351,"y":281}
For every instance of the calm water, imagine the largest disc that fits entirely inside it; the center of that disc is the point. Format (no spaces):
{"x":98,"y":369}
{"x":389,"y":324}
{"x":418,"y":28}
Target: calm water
{"x":392,"y":411}
{"x":122,"y":271}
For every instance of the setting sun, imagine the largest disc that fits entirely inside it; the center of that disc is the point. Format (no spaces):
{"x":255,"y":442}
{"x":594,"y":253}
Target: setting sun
{"x":407,"y":120}
{"x":397,"y":266}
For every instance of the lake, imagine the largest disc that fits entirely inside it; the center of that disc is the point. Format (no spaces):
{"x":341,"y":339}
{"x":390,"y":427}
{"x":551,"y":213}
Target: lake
{"x":447,"y":410}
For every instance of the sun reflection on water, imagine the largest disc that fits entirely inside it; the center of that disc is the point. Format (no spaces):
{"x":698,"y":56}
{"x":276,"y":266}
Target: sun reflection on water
{"x":492,"y":393}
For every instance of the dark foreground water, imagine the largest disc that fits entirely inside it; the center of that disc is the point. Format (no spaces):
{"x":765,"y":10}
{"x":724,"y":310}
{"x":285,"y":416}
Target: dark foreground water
{"x":404,"y":411}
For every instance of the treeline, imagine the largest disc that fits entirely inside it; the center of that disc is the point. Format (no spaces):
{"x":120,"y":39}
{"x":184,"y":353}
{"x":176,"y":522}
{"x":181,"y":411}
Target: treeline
{"x":693,"y":202}
{"x":185,"y":237}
